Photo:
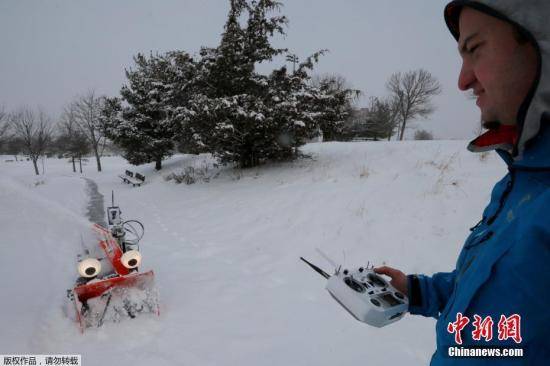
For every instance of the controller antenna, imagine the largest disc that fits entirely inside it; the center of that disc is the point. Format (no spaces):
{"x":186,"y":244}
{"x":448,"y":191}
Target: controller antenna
{"x":316,"y":269}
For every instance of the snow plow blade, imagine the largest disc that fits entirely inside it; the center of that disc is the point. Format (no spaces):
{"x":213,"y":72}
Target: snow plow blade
{"x":114,"y":299}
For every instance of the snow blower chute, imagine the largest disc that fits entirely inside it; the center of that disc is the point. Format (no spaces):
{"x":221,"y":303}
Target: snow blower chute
{"x":109,"y":287}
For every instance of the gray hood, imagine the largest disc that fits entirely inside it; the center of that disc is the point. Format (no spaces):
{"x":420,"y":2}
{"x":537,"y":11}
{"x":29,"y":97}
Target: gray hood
{"x":533,"y":17}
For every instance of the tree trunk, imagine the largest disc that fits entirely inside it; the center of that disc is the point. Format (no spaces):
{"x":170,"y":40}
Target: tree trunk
{"x":403,"y":124}
{"x":34,"y":162}
{"x":97,"y":158}
{"x":74,"y":167}
{"x":246,"y":162}
{"x":158,"y":164}
{"x":80,"y":163}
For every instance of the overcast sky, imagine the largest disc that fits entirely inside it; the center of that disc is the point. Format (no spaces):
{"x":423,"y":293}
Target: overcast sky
{"x":52,"y":50}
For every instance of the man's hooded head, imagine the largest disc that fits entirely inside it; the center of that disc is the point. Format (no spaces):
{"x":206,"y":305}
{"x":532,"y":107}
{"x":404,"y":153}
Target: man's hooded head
{"x":505,"y":46}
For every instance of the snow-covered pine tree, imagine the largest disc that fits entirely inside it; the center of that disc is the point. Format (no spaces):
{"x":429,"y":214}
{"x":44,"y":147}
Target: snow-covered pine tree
{"x":334,"y":104}
{"x":294,"y":105}
{"x":240,"y":115}
{"x":145,"y":121}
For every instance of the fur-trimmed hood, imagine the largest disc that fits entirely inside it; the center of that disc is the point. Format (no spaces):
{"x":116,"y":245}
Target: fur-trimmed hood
{"x":532,"y":17}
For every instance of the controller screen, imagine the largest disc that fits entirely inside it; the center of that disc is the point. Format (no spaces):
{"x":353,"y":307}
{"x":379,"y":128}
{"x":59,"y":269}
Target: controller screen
{"x":390,"y":299}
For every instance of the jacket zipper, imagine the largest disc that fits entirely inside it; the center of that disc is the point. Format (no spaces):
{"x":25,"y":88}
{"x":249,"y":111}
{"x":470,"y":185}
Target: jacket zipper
{"x":504,"y":196}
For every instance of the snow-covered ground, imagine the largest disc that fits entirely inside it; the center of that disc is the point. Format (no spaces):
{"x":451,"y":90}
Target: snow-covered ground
{"x":226,"y":253}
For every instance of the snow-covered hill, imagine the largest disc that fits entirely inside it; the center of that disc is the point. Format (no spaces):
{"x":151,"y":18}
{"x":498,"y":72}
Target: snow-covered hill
{"x":226,"y":253}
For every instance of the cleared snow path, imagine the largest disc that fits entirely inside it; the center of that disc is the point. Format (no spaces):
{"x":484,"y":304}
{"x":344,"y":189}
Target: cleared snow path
{"x":96,"y":208}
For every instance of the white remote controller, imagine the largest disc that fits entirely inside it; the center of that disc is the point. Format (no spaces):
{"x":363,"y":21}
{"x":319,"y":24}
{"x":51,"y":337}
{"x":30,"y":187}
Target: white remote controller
{"x":365,"y":295}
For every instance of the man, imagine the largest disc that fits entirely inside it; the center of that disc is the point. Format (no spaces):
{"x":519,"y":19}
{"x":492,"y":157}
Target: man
{"x":499,"y":293}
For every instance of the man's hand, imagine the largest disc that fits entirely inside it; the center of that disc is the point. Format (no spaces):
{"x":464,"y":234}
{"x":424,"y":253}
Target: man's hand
{"x":398,"y":278}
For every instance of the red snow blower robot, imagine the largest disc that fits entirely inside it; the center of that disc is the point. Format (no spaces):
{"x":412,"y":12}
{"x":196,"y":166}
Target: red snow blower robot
{"x":109,"y":287}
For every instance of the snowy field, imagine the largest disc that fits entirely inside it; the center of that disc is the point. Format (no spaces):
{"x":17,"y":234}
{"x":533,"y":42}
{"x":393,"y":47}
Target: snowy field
{"x":226,"y":253}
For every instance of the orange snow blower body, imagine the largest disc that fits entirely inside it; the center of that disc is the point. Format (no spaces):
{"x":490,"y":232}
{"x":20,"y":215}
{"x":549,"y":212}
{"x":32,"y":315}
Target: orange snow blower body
{"x":126,"y":291}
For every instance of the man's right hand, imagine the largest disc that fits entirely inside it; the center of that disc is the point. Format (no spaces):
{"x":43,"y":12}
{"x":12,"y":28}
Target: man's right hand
{"x":398,"y":278}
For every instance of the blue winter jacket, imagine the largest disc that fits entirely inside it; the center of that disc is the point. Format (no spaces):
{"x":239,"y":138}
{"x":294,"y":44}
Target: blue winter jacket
{"x":503,"y":269}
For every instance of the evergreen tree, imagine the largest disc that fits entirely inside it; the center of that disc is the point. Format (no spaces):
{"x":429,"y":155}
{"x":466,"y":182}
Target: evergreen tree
{"x":13,"y":146}
{"x":334,"y":104}
{"x":145,"y":121}
{"x":382,"y":118}
{"x":243,"y":116}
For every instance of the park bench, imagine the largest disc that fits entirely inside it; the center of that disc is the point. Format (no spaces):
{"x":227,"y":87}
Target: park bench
{"x":131,"y":178}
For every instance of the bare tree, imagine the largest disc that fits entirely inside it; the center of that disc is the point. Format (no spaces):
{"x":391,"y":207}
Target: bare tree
{"x":412,"y":93}
{"x":335,"y":82}
{"x":4,"y":125}
{"x":71,"y":139}
{"x":87,"y":110}
{"x":35,"y":132}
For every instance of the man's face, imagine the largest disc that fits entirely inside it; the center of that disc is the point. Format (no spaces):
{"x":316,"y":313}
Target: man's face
{"x":498,"y":69}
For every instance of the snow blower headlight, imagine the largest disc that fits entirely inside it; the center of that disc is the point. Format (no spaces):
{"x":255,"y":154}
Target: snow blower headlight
{"x":131,"y":259}
{"x":89,"y":267}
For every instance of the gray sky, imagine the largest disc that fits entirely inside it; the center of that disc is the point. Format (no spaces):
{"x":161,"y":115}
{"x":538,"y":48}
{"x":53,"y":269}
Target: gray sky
{"x":52,"y":50}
